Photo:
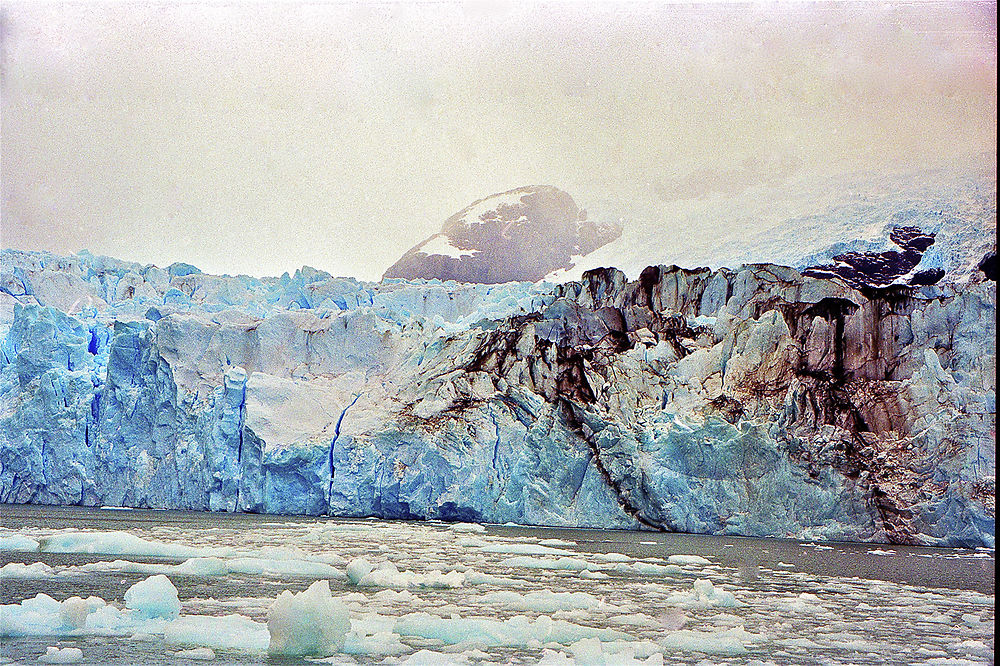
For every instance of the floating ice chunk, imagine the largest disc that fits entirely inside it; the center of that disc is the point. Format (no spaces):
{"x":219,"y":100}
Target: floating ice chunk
{"x":556,"y":542}
{"x":18,"y":542}
{"x":524,"y":549}
{"x":289,"y":553}
{"x":474,"y":577}
{"x":560,"y":564}
{"x":593,"y":652}
{"x":593,"y":575}
{"x":975,"y":648}
{"x":649,"y":569}
{"x":203,"y":566}
{"x":518,"y":631}
{"x":227,"y":632}
{"x":688,"y":560}
{"x":116,"y":543}
{"x":704,"y":595}
{"x":612,"y":557}
{"x":804,"y":604}
{"x":728,"y":641}
{"x":726,"y":620}
{"x":544,"y":601}
{"x":397,"y":597}
{"x":879,"y":551}
{"x":937,"y":618}
{"x":54,"y":655}
{"x":386,"y":574}
{"x":372,"y":623}
{"x":468,"y":528}
{"x":154,"y":597}
{"x":73,"y":613}
{"x":218,"y":566}
{"x":39,"y":615}
{"x":44,"y":616}
{"x":973,"y":621}
{"x":307,"y":623}
{"x":431,"y":658}
{"x":19,"y":570}
{"x":198,"y":654}
{"x":358,"y":569}
{"x":379,"y":644}
{"x":287,"y":567}
{"x":636,"y":620}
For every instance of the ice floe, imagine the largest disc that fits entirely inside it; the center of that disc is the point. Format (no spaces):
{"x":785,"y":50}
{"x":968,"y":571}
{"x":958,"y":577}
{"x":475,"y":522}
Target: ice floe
{"x":56,"y":655}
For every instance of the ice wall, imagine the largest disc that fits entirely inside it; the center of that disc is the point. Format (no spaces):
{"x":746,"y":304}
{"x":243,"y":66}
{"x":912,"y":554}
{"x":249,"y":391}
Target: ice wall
{"x":753,"y":401}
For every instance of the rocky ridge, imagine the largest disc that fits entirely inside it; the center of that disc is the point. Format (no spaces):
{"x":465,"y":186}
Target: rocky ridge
{"x":755,"y":401}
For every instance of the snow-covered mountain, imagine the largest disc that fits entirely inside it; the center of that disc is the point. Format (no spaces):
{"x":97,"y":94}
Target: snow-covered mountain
{"x":514,"y":236}
{"x":807,"y":222}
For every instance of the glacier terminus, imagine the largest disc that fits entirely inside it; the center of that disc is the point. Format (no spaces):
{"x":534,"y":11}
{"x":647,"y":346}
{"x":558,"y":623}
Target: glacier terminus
{"x":755,"y":401}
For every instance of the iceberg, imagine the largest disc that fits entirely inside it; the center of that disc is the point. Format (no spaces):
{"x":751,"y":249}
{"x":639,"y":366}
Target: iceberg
{"x":155,"y":597}
{"x":753,"y":401}
{"x":308,"y":623}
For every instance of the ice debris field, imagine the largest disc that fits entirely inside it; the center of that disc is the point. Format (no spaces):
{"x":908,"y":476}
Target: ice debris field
{"x":178,"y":590}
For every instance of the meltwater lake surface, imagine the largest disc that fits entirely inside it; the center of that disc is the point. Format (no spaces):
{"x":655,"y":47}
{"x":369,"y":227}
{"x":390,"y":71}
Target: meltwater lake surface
{"x":425,"y":592}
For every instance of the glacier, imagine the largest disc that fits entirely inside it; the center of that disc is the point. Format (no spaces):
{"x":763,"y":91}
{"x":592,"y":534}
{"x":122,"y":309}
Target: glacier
{"x":751,"y":401}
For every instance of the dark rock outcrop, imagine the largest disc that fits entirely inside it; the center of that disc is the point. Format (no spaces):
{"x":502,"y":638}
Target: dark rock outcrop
{"x":864,"y":270}
{"x":519,"y":235}
{"x":989,"y":266}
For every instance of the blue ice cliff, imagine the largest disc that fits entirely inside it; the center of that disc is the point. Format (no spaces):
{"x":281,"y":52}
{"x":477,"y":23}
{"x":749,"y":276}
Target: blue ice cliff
{"x":754,"y":401}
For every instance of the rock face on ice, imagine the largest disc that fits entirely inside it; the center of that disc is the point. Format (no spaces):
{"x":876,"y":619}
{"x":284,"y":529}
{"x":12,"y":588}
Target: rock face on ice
{"x":880,"y":269}
{"x":520,"y":235}
{"x":754,"y":401}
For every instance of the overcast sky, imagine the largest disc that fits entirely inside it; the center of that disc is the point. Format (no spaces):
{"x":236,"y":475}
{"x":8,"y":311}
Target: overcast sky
{"x":255,"y":138}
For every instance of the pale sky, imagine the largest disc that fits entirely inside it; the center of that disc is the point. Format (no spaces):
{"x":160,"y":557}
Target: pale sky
{"x":256,"y":138}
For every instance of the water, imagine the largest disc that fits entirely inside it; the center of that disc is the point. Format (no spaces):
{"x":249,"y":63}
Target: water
{"x":799,"y":602}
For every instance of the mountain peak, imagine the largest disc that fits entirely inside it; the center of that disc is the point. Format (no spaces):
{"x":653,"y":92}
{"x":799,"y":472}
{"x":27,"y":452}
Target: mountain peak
{"x":518,"y":235}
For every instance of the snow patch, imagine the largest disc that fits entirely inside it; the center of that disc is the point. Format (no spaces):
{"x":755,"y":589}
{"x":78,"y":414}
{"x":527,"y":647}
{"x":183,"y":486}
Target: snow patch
{"x":440,"y":244}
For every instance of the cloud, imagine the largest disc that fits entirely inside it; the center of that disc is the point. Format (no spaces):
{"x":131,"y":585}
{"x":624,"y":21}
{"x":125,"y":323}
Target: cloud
{"x":256,"y":138}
